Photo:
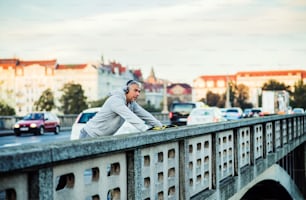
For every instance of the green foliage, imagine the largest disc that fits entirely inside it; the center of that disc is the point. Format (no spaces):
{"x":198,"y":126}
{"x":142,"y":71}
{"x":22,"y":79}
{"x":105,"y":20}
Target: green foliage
{"x":241,"y":97}
{"x":97,"y":103}
{"x":275,"y":85}
{"x":6,"y":110}
{"x":299,"y":95}
{"x":45,"y":101}
{"x":212,"y":99}
{"x":73,"y":99}
{"x":232,"y":92}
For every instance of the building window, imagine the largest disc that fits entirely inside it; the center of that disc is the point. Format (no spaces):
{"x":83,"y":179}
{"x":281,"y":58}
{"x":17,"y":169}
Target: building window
{"x":220,"y":83}
{"x":19,"y":72}
{"x":200,"y":84}
{"x":210,"y":84}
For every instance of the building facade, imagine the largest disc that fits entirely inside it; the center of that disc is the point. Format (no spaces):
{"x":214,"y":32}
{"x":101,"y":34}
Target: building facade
{"x":254,"y":80}
{"x":154,"y":89}
{"x":23,"y":82}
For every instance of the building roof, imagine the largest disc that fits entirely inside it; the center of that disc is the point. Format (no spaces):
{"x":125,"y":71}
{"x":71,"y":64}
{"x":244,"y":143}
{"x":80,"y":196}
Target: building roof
{"x":218,"y":77}
{"x":301,"y":73}
{"x":113,"y":66}
{"x":182,"y":88}
{"x":71,"y":66}
{"x":15,"y":62}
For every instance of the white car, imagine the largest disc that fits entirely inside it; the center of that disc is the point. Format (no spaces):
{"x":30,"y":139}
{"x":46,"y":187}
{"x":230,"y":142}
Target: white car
{"x":298,"y":110}
{"x":205,"y":115}
{"x":86,"y":115}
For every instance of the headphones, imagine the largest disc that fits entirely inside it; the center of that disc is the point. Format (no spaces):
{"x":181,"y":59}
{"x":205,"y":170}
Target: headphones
{"x":128,"y":84}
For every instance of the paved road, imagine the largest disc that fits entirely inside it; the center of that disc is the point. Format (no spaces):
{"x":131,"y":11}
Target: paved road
{"x":11,"y":132}
{"x":8,"y":139}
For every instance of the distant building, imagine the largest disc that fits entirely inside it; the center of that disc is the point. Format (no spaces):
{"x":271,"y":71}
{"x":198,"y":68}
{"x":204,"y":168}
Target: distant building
{"x":180,"y":92}
{"x":22,"y":82}
{"x":154,"y":89}
{"x":254,"y":80}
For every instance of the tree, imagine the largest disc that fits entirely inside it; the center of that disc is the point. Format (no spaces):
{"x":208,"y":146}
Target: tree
{"x":73,"y":100}
{"x":232,"y":92}
{"x":299,"y":95}
{"x":6,"y":110}
{"x":275,"y":85}
{"x":212,"y":99}
{"x":97,"y":103}
{"x":221,"y":102}
{"x":241,"y":97}
{"x":45,"y":101}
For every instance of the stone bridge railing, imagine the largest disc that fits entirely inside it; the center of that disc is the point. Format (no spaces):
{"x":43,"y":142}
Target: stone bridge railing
{"x":191,"y":162}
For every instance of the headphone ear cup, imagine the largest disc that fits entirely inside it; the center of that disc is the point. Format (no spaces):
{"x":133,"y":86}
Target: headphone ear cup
{"x":126,"y":89}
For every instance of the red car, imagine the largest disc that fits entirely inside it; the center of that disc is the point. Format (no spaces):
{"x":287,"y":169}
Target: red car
{"x":38,"y":123}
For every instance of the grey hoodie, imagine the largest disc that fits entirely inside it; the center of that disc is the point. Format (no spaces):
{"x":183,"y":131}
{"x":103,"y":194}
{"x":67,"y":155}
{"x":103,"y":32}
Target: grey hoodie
{"x":114,"y":112}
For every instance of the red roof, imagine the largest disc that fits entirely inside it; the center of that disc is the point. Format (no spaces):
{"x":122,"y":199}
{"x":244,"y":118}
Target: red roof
{"x":272,"y":73}
{"x":39,"y":62}
{"x":71,"y":66}
{"x":186,"y":88}
{"x":14,"y":62}
{"x":219,"y":77}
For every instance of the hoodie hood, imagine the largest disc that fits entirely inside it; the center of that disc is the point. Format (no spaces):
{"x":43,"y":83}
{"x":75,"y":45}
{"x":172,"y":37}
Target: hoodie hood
{"x":118,"y":92}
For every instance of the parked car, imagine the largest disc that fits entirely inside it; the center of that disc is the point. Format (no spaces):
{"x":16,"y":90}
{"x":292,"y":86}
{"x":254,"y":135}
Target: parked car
{"x":205,"y":115}
{"x":233,"y":113}
{"x":86,"y":115}
{"x":180,"y":111}
{"x":38,"y":123}
{"x":298,"y":110}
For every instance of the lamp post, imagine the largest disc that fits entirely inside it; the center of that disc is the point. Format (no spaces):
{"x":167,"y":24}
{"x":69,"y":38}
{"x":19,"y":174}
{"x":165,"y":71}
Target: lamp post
{"x":165,"y":101}
{"x":227,"y":101}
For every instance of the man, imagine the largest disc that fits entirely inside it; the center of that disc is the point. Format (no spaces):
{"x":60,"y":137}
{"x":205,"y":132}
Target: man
{"x":119,"y":107}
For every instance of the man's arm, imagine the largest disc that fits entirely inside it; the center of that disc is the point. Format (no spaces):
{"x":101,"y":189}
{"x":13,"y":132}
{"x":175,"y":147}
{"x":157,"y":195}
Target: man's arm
{"x":122,"y":110}
{"x":146,"y":116}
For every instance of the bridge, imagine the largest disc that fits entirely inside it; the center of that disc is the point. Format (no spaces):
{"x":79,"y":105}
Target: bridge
{"x":258,"y":158}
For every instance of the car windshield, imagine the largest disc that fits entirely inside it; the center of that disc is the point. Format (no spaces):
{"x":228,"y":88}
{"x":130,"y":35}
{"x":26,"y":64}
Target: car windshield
{"x":34,"y":116}
{"x":232,"y":110}
{"x":85,"y":117}
{"x":183,"y":107}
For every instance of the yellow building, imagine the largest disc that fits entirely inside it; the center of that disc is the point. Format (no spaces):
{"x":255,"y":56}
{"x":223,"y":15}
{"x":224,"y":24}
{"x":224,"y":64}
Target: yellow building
{"x":254,"y":80}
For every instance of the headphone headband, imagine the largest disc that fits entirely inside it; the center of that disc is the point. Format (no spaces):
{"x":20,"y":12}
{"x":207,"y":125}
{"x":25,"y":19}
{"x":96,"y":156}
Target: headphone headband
{"x":129,"y":82}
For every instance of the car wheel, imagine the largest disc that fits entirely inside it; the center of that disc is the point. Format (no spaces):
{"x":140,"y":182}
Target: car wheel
{"x":57,"y":130}
{"x":41,"y":130}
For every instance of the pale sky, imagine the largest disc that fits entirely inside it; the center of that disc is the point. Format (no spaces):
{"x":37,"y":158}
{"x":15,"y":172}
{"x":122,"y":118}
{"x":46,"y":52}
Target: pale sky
{"x":180,"y":39}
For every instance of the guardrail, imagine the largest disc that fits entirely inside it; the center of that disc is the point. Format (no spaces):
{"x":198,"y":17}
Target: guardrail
{"x":178,"y":163}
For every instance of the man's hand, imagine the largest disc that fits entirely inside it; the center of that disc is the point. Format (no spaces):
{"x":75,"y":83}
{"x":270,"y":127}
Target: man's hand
{"x":158,"y":128}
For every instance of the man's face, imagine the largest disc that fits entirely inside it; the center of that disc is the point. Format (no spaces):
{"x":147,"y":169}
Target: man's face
{"x":133,"y":93}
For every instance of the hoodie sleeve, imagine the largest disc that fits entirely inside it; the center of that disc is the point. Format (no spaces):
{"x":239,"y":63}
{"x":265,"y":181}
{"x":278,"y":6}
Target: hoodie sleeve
{"x":118,"y":106}
{"x":145,"y":115}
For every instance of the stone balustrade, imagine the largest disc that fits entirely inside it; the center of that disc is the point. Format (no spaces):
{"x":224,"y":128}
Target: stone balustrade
{"x":189,"y":162}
